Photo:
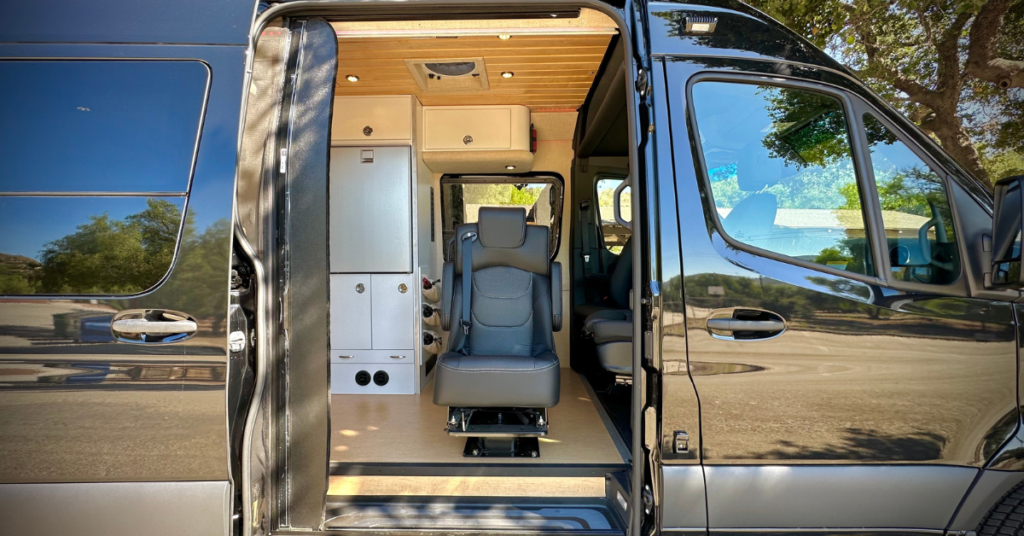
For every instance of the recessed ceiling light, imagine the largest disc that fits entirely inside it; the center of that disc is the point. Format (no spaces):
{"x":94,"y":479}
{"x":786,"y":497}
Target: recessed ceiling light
{"x":510,"y":167}
{"x":352,"y":78}
{"x":504,"y":37}
{"x":507,"y":74}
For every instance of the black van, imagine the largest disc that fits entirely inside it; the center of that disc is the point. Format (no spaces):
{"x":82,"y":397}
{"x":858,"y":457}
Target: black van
{"x":368,"y":267}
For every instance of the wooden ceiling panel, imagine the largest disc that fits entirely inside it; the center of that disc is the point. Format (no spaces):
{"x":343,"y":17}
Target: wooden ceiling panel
{"x":552,"y":69}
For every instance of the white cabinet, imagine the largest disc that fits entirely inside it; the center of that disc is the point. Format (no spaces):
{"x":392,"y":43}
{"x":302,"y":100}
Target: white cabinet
{"x":393,"y":311}
{"x":374,"y":327}
{"x":350,"y":311}
{"x":370,"y":120}
{"x":371,"y":209}
{"x":476,"y":128}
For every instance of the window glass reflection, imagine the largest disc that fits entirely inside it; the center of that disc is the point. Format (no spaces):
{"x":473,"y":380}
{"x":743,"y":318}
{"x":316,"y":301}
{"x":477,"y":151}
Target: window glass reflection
{"x":541,"y":199}
{"x":86,"y":245}
{"x":915,"y":210}
{"x":781,"y":172}
{"x":99,"y":126}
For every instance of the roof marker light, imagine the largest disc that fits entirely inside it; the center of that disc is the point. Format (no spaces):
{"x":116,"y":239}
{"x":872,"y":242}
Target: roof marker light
{"x":700,"y":24}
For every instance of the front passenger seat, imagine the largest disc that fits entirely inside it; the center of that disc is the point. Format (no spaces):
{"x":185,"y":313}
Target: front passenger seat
{"x":500,"y":367}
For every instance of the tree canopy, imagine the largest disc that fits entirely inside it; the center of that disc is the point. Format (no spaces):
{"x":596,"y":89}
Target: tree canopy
{"x":954,"y":67}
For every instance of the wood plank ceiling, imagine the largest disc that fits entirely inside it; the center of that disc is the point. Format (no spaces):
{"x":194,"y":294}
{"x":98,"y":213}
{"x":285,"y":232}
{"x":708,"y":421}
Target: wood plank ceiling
{"x":554,"y":61}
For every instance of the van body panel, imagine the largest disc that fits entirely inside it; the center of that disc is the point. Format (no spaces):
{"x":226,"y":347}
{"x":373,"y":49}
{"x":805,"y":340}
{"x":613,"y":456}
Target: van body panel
{"x":89,"y":409}
{"x":199,"y":22}
{"x":767,"y":497}
{"x":109,"y":508}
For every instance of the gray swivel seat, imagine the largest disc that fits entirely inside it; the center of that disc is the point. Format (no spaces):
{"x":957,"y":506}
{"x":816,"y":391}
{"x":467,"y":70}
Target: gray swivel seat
{"x":612,"y":328}
{"x":502,"y":301}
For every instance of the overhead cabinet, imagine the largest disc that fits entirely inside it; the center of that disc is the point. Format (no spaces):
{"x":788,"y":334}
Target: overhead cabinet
{"x":372,"y":120}
{"x":476,"y":128}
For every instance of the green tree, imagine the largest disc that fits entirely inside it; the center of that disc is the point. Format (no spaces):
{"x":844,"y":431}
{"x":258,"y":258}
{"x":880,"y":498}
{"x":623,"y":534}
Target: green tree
{"x":955,"y":67}
{"x":113,"y":256}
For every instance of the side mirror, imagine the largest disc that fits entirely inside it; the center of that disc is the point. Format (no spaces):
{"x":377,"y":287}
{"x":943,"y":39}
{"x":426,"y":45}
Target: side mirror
{"x":617,"y":204}
{"x":1007,"y":226}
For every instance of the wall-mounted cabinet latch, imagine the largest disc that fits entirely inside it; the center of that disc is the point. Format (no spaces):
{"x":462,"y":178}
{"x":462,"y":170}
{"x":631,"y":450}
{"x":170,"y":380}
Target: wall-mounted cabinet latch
{"x":366,"y":156}
{"x":681,"y":442}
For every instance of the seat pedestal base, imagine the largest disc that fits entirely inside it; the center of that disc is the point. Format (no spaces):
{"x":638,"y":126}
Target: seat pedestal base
{"x":502,"y":447}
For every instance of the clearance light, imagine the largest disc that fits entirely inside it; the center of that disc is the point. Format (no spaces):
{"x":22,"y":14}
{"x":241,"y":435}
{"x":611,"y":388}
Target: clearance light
{"x":507,"y":74}
{"x":352,"y":78}
{"x":701,"y":24}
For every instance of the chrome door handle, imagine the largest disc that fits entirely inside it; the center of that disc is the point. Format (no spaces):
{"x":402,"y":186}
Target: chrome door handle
{"x":138,"y":326}
{"x":733,"y":324}
{"x":152,"y":326}
{"x":744,"y":324}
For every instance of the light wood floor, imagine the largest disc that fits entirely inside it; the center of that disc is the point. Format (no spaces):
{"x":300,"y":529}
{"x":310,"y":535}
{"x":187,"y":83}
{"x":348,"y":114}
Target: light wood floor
{"x":410,"y":429}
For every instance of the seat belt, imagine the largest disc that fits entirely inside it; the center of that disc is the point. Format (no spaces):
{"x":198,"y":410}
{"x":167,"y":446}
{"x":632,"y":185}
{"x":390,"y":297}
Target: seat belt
{"x":585,"y":236}
{"x":467,"y":287}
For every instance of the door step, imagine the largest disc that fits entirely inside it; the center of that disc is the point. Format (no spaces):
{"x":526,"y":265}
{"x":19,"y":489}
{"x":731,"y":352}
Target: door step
{"x":579,"y":516}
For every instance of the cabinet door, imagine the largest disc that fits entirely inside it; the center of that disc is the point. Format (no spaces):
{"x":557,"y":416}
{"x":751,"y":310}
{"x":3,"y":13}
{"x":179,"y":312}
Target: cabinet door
{"x":371,"y":210}
{"x":468,"y":129}
{"x":394,"y":311}
{"x":350,"y":311}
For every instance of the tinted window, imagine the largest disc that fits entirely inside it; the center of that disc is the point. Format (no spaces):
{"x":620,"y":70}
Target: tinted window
{"x":915,"y":210}
{"x":781,"y":172}
{"x":86,"y":245}
{"x":462,"y":199}
{"x":99,"y":126}
{"x":613,"y":234}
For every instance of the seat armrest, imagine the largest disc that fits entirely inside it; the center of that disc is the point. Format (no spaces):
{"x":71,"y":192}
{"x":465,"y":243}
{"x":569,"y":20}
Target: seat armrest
{"x":447,"y":286}
{"x":556,"y":296}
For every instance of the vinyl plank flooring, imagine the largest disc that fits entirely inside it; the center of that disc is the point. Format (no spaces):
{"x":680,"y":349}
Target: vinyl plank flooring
{"x":410,"y":429}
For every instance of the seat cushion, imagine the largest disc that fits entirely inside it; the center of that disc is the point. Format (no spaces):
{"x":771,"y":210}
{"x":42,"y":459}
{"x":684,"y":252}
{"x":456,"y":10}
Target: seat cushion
{"x":616,"y":357}
{"x":610,"y":326}
{"x":496,"y":380}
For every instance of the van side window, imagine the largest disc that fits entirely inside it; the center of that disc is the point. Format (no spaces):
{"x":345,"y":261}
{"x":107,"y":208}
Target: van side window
{"x":780,"y":168}
{"x":613,"y":235}
{"x":915,"y":210}
{"x":105,"y":150}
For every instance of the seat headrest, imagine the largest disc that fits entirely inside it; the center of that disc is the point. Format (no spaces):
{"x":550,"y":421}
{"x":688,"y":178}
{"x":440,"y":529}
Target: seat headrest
{"x":502,"y":227}
{"x":757,"y":170}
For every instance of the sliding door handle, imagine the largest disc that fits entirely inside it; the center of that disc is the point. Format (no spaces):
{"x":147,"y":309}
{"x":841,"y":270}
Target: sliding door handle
{"x":153,"y":326}
{"x":734,"y":324}
{"x":140,"y":327}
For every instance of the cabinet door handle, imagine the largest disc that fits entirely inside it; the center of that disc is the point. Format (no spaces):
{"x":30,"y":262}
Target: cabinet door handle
{"x":398,"y":357}
{"x":402,"y":288}
{"x":346,"y":356}
{"x":360,"y":288}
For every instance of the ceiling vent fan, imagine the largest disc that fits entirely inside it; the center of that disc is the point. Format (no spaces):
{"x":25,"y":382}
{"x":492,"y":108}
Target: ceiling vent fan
{"x":462,"y":74}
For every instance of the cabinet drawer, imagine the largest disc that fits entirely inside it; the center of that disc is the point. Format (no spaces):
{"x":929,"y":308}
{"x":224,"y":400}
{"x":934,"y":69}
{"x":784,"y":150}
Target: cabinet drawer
{"x":394,"y":357}
{"x":388,"y":119}
{"x":401,"y":379}
{"x":476,"y":128}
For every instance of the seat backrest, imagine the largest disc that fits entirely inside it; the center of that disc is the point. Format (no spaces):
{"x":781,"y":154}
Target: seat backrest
{"x":511,"y":298}
{"x":752,"y":219}
{"x":621,"y":278}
